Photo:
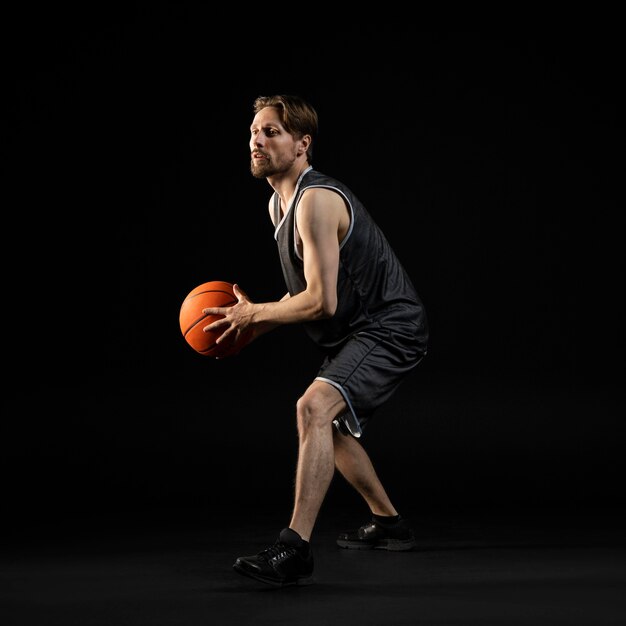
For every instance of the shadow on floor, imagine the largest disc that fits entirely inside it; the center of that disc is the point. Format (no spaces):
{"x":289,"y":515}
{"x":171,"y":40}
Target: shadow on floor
{"x":480,"y":570}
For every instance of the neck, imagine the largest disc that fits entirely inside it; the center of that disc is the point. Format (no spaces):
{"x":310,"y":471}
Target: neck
{"x":285,"y":184}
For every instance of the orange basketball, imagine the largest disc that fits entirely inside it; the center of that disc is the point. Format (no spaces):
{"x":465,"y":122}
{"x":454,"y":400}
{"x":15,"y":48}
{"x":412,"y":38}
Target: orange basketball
{"x":193,"y":320}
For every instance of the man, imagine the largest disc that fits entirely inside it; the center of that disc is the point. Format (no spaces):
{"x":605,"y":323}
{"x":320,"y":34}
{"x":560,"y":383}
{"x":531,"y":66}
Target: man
{"x":357,"y":303}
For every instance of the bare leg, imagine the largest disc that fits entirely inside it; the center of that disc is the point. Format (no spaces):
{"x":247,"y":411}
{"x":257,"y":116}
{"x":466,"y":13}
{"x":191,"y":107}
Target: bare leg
{"x":353,"y":462}
{"x":316,"y":457}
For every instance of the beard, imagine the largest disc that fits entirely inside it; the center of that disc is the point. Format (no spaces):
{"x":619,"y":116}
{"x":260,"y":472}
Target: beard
{"x":262,"y":169}
{"x":267,"y":167}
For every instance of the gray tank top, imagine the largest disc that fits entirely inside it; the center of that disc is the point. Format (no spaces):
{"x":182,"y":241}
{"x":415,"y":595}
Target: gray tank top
{"x":373,"y":289}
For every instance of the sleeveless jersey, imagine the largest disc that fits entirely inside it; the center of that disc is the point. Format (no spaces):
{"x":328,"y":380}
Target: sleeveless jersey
{"x":374,"y":291}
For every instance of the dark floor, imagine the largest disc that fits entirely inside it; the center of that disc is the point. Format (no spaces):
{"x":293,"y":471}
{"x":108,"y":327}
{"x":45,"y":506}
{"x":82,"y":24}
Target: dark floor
{"x":479,"y":569}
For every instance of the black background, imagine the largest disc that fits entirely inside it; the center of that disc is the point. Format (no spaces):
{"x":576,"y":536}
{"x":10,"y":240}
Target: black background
{"x":491,"y":161}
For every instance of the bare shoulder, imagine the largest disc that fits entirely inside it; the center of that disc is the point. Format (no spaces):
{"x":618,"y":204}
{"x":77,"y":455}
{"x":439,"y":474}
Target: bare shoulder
{"x":321,"y":199}
{"x":321,"y":204}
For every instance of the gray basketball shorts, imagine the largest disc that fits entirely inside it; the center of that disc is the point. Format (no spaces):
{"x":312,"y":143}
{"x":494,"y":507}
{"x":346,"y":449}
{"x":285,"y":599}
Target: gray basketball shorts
{"x":367,"y":370}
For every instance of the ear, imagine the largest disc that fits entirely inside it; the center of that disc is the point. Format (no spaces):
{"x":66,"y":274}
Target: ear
{"x":304,"y":142}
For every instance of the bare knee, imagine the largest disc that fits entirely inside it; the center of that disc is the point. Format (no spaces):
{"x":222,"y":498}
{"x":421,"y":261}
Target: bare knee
{"x":309,"y":413}
{"x":316,"y":408}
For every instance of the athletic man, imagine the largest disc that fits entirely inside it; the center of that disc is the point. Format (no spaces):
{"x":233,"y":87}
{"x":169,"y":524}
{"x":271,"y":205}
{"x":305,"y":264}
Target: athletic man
{"x":348,"y":289}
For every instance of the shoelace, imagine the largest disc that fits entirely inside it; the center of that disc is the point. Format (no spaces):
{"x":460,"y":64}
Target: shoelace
{"x":278,"y":551}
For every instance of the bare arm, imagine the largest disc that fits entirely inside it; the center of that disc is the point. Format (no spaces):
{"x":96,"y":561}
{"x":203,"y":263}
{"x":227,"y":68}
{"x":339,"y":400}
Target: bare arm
{"x":321,"y":219}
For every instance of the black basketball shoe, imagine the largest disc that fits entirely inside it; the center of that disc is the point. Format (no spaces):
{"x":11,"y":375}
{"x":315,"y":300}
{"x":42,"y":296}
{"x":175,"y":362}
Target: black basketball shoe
{"x":288,"y":562}
{"x":396,"y":537}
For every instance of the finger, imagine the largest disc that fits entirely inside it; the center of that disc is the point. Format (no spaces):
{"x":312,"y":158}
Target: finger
{"x":225,"y":336}
{"x":239,"y":292}
{"x":213,"y":326}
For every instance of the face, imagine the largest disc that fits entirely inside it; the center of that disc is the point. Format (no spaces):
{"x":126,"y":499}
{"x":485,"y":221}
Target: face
{"x":273,"y":150}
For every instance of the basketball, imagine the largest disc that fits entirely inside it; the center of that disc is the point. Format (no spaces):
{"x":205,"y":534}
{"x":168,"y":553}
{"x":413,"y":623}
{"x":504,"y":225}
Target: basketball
{"x":193,"y":320}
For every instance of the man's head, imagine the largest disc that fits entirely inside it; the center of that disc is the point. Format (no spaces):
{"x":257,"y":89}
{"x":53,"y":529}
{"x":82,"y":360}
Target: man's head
{"x":285,"y":124}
